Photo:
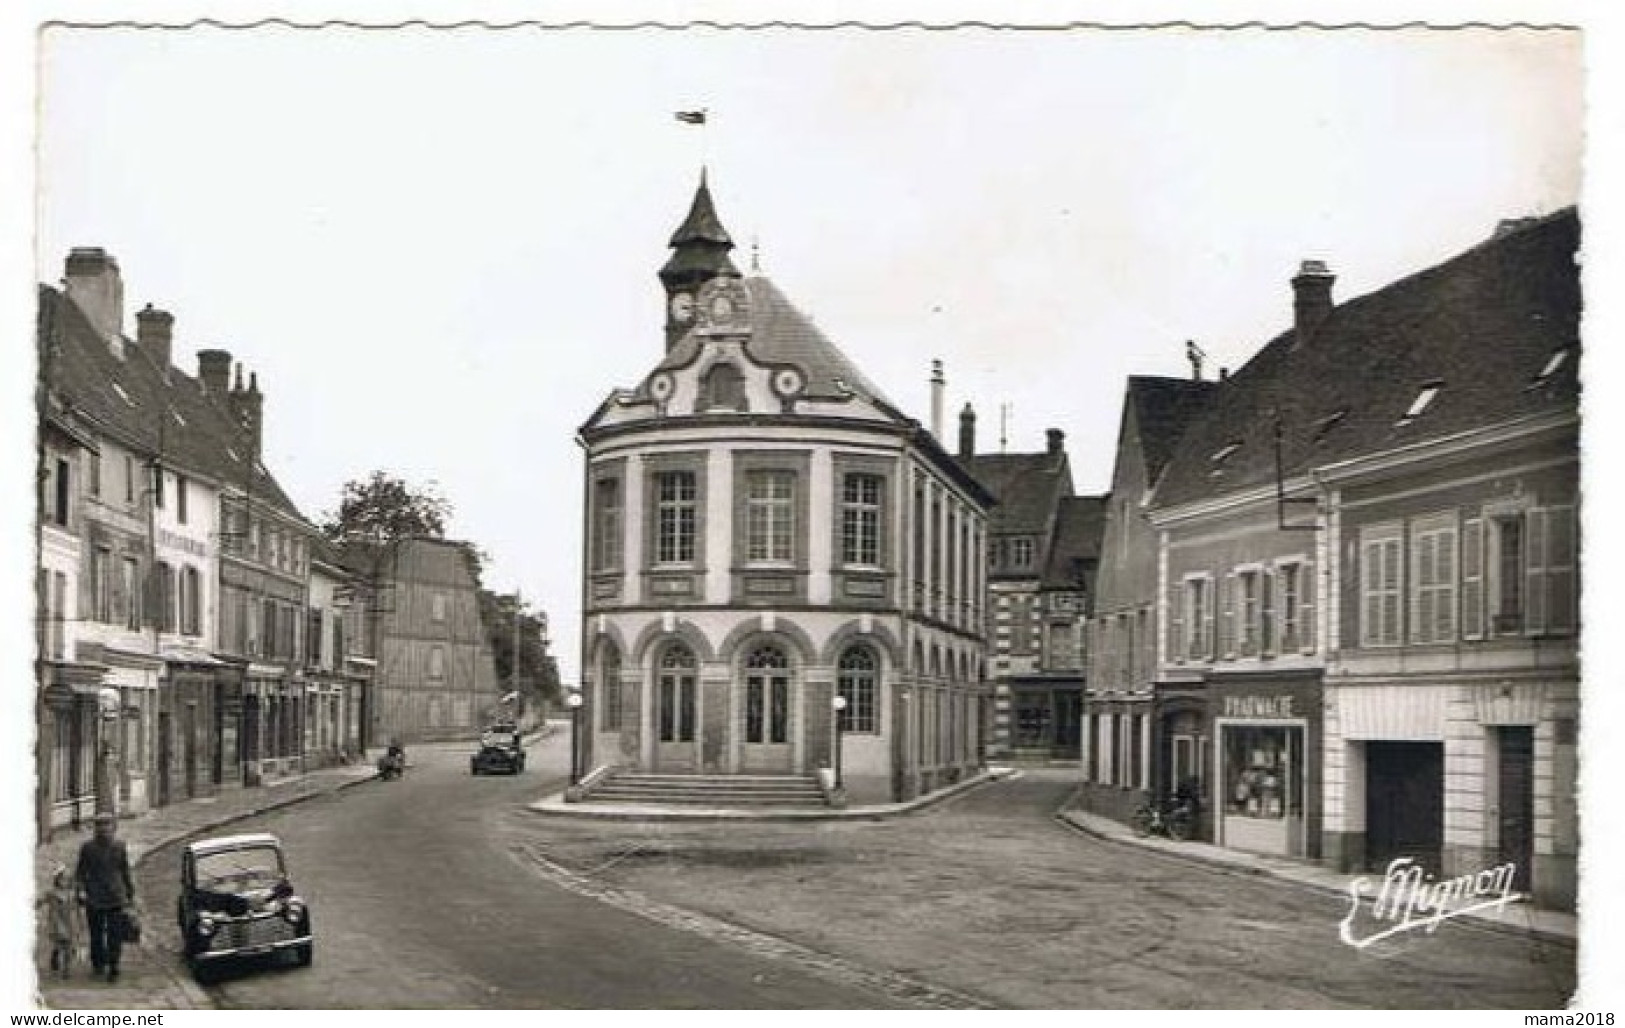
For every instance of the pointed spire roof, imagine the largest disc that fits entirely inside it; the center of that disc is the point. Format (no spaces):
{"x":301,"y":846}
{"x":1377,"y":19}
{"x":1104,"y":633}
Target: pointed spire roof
{"x":702,"y":223}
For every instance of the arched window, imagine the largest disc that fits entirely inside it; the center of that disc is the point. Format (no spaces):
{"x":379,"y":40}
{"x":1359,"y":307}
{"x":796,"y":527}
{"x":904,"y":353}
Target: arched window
{"x":609,"y":688}
{"x":723,"y":389}
{"x":675,"y":686}
{"x":856,"y":679}
{"x":936,"y":662}
{"x":767,"y":696}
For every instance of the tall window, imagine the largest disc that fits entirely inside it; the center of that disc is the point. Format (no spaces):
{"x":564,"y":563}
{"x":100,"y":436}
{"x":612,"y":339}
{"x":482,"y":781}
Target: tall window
{"x":1380,"y":590}
{"x":609,"y":690}
{"x":180,"y":498}
{"x":437,"y":662}
{"x":606,"y":536}
{"x":1249,"y":613}
{"x":856,"y":679}
{"x":129,"y":479}
{"x":165,"y":614}
{"x":1433,"y":582}
{"x":770,"y":516}
{"x":131,"y":581}
{"x":95,"y":484}
{"x":157,"y":486}
{"x":1021,"y":553}
{"x":1198,"y":612}
{"x":313,"y":638}
{"x":60,"y":511}
{"x":191,"y":601}
{"x":676,"y":499}
{"x":767,"y":696}
{"x":437,"y":608}
{"x":860,"y":519}
{"x":1289,"y":606}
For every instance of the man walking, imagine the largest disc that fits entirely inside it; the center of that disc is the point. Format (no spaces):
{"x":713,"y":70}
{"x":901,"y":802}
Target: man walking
{"x":104,"y":875}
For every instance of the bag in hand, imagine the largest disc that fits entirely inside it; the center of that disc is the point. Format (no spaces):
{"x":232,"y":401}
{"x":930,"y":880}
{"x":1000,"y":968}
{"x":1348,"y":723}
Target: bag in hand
{"x":130,"y":926}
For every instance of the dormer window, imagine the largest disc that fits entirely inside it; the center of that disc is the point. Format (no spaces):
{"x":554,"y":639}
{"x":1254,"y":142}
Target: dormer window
{"x":1221,"y":454}
{"x":1328,"y":423}
{"x":1554,"y":363}
{"x":122,"y":394}
{"x":177,"y":416}
{"x":1420,"y":404}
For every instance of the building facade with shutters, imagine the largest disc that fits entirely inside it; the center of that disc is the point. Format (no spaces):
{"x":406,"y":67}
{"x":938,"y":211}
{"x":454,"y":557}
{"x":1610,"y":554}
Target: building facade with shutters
{"x":765,"y":532}
{"x":1369,"y":572}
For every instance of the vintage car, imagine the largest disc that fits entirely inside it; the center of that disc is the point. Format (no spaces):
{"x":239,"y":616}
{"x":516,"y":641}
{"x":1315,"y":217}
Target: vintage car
{"x":237,"y":901}
{"x":501,"y":749}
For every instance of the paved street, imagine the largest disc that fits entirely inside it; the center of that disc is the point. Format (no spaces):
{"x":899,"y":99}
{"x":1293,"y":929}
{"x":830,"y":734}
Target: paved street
{"x":419,"y":902}
{"x":988,"y":894}
{"x":442,"y":890}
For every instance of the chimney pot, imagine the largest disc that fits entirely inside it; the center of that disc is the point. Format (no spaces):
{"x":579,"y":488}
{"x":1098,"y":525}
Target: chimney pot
{"x":155,"y":332}
{"x":937,"y":383}
{"x":214,"y":371}
{"x":92,"y":280}
{"x":1056,"y":440}
{"x":967,"y":432}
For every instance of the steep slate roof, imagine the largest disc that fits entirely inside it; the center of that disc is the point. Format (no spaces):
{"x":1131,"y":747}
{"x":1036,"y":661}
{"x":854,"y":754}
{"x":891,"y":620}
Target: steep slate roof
{"x":1483,"y":325}
{"x":1029,"y":486}
{"x":1163,"y":409}
{"x":84,"y":373}
{"x":781,"y":334}
{"x":1080,"y":526}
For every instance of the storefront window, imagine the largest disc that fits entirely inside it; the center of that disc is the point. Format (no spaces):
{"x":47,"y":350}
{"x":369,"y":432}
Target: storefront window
{"x":1263,"y":771}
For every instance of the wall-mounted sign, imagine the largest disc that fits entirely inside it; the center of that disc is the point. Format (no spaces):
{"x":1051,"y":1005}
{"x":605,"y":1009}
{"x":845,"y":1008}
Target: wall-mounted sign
{"x":1258,"y":706}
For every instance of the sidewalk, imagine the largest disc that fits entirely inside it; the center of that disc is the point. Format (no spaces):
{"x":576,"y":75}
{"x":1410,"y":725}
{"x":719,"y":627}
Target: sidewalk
{"x":555,"y":806}
{"x":150,"y":978}
{"x":1518,"y":917}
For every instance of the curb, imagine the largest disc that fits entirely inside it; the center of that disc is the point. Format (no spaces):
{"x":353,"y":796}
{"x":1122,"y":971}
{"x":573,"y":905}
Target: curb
{"x":193,"y":992}
{"x":1195,"y":857}
{"x":555,"y":806}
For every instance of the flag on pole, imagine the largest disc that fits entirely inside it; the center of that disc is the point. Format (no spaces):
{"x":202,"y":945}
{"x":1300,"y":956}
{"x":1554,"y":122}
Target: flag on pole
{"x":691,"y":117}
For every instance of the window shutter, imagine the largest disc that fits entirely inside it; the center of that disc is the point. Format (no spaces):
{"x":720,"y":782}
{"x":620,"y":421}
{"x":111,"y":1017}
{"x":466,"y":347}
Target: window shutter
{"x":1370,"y":596}
{"x":1227,"y":617}
{"x":1210,"y":617}
{"x":1472,"y":579}
{"x":1266,"y":612}
{"x":1176,"y":624}
{"x":1445,"y":576}
{"x":1421,"y":600}
{"x":1561,"y":598}
{"x":1306,"y":605}
{"x":1535,"y":568}
{"x":1393,"y":590}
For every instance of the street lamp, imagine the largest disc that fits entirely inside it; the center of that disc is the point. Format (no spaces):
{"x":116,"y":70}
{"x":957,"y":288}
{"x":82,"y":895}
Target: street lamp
{"x":839,"y":703}
{"x":573,"y":701}
{"x":108,"y":706}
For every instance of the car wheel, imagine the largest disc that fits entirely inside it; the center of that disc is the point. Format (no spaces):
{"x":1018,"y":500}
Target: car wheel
{"x":303,"y":955}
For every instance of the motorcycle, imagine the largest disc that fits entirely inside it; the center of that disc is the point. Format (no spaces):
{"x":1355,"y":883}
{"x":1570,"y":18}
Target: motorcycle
{"x":392,"y":764}
{"x":1173,"y":818}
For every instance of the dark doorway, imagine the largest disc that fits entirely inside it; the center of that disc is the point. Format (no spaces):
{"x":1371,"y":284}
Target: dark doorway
{"x":1068,"y":724}
{"x":166,"y":750}
{"x":1404,"y":803}
{"x":189,"y":749}
{"x":1517,"y":800}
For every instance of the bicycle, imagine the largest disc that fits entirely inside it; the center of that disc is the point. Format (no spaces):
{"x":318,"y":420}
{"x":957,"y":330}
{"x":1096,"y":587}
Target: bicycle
{"x":1172,"y":819}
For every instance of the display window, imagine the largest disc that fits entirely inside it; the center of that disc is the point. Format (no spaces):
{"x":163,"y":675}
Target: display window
{"x":1263,"y":771}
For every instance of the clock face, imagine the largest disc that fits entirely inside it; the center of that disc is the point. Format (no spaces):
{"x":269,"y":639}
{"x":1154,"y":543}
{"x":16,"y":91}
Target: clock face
{"x":682,"y":307}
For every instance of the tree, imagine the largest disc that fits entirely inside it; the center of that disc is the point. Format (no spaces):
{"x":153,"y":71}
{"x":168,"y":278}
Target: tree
{"x":384,"y":509}
{"x":538,"y":676}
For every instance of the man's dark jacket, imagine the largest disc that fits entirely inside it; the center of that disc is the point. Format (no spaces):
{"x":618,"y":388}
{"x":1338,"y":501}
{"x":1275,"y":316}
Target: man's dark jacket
{"x":104,"y":873}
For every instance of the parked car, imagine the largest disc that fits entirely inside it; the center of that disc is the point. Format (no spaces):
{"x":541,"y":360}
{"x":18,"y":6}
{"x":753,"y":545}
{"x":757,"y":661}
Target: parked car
{"x":237,"y":900}
{"x":501,"y":749}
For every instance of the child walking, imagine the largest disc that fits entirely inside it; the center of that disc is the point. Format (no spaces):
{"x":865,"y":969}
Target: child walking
{"x":61,"y":902}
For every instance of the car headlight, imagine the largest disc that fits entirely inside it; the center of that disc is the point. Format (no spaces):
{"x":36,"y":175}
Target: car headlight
{"x":294,"y":911}
{"x":206,"y":926}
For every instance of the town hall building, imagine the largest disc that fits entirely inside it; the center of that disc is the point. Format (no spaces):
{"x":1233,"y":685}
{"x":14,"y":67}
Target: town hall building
{"x":766,"y":532}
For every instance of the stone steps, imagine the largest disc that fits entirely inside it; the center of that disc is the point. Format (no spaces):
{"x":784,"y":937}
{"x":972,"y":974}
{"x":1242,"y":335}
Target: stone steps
{"x":709,"y":790}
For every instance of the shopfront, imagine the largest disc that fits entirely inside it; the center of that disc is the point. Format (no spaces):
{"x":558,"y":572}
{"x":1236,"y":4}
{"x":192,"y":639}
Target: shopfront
{"x":1266,"y":765}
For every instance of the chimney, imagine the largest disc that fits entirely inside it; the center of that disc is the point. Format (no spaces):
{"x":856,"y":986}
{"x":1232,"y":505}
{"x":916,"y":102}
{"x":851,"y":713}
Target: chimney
{"x":1055,"y":441}
{"x":155,"y":331}
{"x":967,"y":433}
{"x":937,"y":383}
{"x":1311,"y":298}
{"x":96,"y":288}
{"x":214,"y":372}
{"x":247,"y":406}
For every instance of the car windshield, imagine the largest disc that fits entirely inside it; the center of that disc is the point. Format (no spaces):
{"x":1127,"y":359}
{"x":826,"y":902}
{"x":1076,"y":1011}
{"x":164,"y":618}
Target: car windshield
{"x":239,"y":870}
{"x":497,"y":737}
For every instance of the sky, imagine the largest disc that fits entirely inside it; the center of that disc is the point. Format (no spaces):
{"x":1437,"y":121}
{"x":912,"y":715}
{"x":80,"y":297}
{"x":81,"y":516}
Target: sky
{"x":437,"y":249}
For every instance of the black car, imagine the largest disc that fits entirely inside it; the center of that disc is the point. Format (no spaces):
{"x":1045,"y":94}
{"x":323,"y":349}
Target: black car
{"x":500,"y":750}
{"x":238,"y":901}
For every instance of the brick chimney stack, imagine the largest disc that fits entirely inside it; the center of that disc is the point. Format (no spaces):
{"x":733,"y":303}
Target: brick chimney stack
{"x":937,"y":384}
{"x":967,"y":433}
{"x":1055,"y":441}
{"x":214,"y":372}
{"x":1311,"y":299}
{"x":155,"y":332}
{"x":248,"y":406}
{"x":94,"y":284}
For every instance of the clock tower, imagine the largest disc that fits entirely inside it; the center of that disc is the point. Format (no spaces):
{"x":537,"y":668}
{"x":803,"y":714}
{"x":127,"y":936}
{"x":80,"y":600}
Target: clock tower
{"x":699,"y":254}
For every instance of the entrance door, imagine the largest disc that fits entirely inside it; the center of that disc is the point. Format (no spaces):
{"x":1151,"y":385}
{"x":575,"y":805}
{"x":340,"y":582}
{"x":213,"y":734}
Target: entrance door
{"x":676,"y":682}
{"x":1517,"y":785}
{"x":189,"y":749}
{"x":766,"y":747}
{"x":166,"y":750}
{"x":1034,"y":723}
{"x":1068,"y":724}
{"x":1404,"y":803}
